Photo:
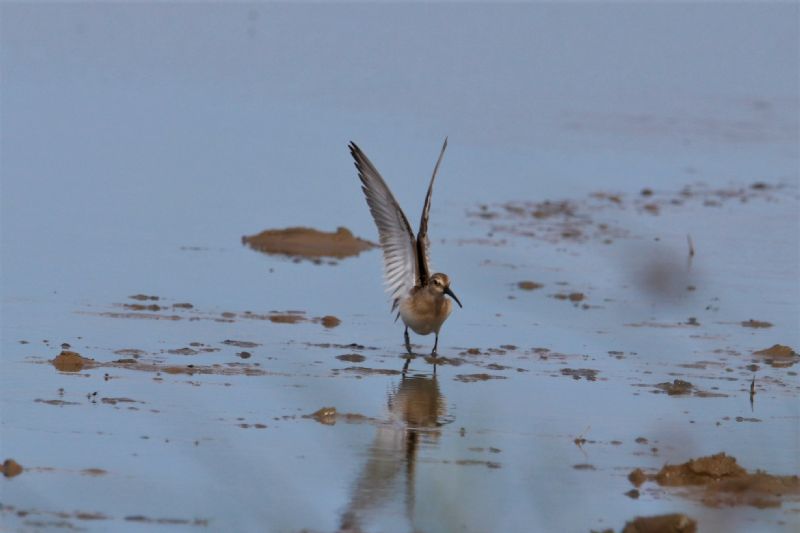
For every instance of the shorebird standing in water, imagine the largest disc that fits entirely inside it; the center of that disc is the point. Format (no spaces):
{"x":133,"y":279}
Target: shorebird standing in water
{"x":418,"y":295}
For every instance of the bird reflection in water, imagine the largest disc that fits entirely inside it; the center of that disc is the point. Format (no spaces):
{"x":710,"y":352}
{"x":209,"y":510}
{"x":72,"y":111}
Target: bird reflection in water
{"x":416,"y":414}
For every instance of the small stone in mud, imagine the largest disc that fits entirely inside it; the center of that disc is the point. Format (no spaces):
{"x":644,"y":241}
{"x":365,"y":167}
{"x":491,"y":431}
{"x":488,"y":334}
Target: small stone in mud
{"x":632,"y":494}
{"x":244,"y":355}
{"x":11,"y":468}
{"x":351,"y":358}
{"x":756,"y":324}
{"x":666,"y":523}
{"x":68,"y":361}
{"x":637,"y":477}
{"x":584,"y":466}
{"x":330,"y":321}
{"x":529,"y":285}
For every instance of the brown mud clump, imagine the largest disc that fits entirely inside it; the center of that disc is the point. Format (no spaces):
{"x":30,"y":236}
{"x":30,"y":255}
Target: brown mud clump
{"x":330,"y":321}
{"x":665,"y":523}
{"x":779,"y":356}
{"x":286,"y":319}
{"x":700,"y":471}
{"x":351,"y":358}
{"x":11,"y":468}
{"x":529,"y":285}
{"x":307,"y":243}
{"x":68,"y":361}
{"x":472,"y":378}
{"x":756,"y":324}
{"x":720,"y":481}
{"x":637,"y":477}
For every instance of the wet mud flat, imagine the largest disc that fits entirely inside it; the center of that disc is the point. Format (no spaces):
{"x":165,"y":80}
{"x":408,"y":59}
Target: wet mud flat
{"x":655,"y":391}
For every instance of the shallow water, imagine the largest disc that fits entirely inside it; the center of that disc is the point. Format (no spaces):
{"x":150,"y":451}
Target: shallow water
{"x":134,"y":165}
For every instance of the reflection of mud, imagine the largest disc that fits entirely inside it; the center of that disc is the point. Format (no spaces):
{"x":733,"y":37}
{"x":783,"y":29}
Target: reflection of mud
{"x":306,"y":243}
{"x":721,"y":481}
{"x":665,"y":523}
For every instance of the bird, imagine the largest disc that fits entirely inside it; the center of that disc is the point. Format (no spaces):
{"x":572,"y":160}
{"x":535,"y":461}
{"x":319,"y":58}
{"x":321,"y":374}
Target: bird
{"x":418,"y":295}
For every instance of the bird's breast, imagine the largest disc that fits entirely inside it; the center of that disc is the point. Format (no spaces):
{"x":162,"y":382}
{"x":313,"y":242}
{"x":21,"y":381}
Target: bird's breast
{"x":425,"y":313}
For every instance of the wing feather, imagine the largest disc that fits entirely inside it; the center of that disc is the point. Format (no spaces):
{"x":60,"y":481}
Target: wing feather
{"x":400,"y":264}
{"x":423,"y":243}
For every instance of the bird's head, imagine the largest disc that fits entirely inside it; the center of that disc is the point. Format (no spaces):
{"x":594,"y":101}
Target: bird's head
{"x":440,"y":284}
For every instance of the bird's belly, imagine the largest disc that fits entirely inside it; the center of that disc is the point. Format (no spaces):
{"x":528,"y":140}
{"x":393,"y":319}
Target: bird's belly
{"x":424,"y":321}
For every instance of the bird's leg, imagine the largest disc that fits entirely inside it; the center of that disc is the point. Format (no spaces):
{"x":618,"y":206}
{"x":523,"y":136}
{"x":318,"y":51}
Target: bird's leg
{"x":405,"y":367}
{"x":408,"y":342}
{"x":435,"y":345}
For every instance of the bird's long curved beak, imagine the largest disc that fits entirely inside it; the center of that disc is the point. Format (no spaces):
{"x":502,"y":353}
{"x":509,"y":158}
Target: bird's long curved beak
{"x":452,"y":295}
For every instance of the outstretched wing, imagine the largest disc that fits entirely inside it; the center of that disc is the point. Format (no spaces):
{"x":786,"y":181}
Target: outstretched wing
{"x":423,"y":244}
{"x":400,"y":264}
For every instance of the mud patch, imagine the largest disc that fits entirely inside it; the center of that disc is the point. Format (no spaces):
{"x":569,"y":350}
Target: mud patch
{"x":167,"y":521}
{"x":472,"y":378}
{"x":529,"y":285}
{"x":330,"y":321}
{"x":351,"y":358}
{"x":665,"y":523}
{"x":679,"y":387}
{"x":307,"y":243}
{"x":75,"y":362}
{"x":756,"y":324}
{"x":68,"y":361}
{"x":364,"y":371}
{"x":329,"y":416}
{"x":779,"y":356}
{"x":588,"y":374}
{"x":241,"y":344}
{"x":720,"y":481}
